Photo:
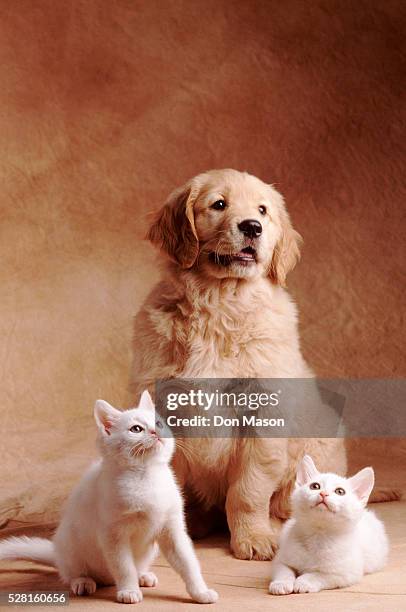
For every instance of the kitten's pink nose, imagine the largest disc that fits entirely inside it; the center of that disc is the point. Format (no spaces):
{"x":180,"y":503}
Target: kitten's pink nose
{"x":323,"y":494}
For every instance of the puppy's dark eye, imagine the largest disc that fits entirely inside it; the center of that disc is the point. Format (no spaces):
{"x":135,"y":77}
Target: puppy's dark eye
{"x":315,"y":486}
{"x":339,"y":491}
{"x":219,"y":205}
{"x":159,"y":424}
{"x":262,"y":210}
{"x":137,"y":429}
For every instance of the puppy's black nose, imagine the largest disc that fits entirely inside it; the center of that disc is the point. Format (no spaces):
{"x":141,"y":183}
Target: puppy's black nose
{"x":250,"y":228}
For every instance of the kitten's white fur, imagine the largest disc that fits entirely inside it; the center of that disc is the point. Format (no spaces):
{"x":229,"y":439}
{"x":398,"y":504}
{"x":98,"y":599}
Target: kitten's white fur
{"x":330,"y":544}
{"x":125,"y":504}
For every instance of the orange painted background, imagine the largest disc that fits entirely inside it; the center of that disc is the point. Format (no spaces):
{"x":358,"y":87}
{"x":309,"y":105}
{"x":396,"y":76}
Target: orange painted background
{"x":105,"y":107}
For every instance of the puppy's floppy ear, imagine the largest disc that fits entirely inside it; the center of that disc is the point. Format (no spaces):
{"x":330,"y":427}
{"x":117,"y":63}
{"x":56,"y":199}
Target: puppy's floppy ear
{"x":174,"y":228}
{"x":287,"y":250}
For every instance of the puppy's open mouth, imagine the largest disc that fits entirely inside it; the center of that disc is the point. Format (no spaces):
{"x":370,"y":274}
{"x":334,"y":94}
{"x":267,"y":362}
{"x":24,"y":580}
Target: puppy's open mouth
{"x":245,"y":257}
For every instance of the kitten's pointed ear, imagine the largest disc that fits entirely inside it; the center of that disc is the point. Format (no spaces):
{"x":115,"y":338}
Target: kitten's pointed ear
{"x":105,"y":415}
{"x":363,"y":483}
{"x":306,"y":471}
{"x":146,"y":401}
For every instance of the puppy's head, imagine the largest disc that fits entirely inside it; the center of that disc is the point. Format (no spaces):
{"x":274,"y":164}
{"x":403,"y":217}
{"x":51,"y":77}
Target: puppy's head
{"x":228,"y":224}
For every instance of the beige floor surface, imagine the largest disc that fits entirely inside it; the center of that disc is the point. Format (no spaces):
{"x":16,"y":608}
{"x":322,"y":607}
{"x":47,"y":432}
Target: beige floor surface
{"x":242,"y":584}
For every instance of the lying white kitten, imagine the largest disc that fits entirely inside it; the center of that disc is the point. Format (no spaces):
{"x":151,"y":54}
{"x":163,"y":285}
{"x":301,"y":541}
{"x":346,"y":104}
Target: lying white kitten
{"x":124,"y":505}
{"x":331,"y":539}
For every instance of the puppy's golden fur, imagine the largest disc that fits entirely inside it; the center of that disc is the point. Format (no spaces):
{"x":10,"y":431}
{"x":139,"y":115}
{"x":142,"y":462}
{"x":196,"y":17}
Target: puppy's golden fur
{"x":215,"y":314}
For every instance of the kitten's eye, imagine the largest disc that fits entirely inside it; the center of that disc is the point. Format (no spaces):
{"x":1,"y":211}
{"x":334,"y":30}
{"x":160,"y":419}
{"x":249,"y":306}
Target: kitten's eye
{"x":315,"y":486}
{"x":219,"y":205}
{"x":137,"y":429}
{"x":262,"y":210}
{"x":159,"y":424}
{"x":339,"y":491}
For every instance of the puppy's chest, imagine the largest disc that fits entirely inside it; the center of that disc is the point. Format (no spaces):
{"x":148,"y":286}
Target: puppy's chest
{"x":230,"y":332}
{"x":222,"y":343}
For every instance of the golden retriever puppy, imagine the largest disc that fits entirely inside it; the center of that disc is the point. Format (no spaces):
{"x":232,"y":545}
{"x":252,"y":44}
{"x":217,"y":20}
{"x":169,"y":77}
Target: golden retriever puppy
{"x":221,"y":311}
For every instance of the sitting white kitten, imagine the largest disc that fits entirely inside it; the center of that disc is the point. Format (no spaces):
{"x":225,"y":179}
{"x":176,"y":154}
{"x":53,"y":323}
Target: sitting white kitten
{"x":124,"y":505}
{"x":331,"y":539}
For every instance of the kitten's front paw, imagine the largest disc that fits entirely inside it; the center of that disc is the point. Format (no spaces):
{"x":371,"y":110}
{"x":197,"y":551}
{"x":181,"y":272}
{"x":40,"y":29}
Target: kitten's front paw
{"x":281,"y":587}
{"x":148,"y":580}
{"x":205,"y":597}
{"x":305,"y":584}
{"x":128,"y":596}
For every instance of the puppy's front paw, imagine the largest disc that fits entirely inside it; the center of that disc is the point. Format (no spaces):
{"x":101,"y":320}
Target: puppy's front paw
{"x":254,"y":545}
{"x":83,"y":585}
{"x":129,"y":596}
{"x":255,"y":539}
{"x":205,"y":597}
{"x":148,"y":580}
{"x":281,"y":587}
{"x":306,"y":584}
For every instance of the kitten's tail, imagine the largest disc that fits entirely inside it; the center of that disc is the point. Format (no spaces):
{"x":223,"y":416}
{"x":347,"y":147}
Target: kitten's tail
{"x":32,"y":549}
{"x":385,"y":495}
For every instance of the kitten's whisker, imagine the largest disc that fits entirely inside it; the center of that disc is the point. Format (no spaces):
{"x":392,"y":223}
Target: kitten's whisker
{"x":135,"y":449}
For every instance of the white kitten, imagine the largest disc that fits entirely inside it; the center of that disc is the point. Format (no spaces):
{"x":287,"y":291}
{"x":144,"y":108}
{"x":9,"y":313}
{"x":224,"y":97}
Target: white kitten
{"x":124,"y":505}
{"x":331,"y":539}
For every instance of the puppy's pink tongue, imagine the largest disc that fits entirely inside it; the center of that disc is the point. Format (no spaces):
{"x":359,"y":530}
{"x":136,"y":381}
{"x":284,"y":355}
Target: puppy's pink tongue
{"x":244,"y":255}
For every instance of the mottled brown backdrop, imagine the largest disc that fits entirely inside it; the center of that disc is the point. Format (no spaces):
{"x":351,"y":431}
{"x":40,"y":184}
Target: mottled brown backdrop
{"x":107,"y":106}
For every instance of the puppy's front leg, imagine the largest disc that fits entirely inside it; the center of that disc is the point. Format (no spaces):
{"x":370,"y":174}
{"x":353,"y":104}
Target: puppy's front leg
{"x":254,"y":534}
{"x":178,"y":549}
{"x":119,"y":557}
